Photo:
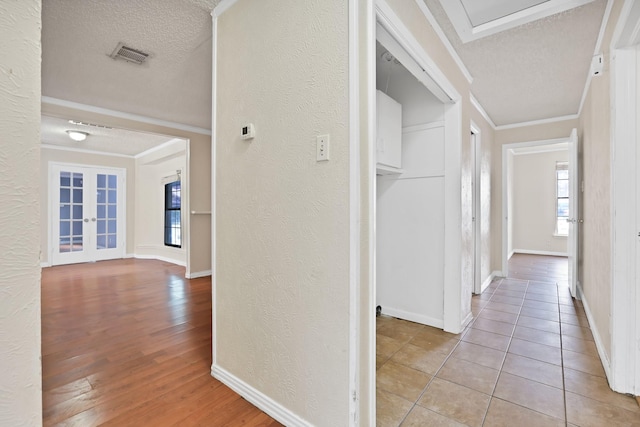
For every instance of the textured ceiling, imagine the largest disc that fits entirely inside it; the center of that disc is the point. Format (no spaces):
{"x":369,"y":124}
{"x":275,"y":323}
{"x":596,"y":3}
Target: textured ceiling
{"x":114,"y":141}
{"x":532,"y":72}
{"x":175,"y":83}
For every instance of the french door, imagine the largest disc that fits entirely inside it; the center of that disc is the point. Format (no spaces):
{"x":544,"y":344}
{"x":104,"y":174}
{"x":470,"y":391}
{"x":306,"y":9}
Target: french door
{"x":87,"y":213}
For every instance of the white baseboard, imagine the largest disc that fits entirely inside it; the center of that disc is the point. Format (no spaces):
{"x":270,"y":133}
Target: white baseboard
{"x":466,"y":321}
{"x":161,"y":258}
{"x":259,"y":399}
{"x":510,"y":255}
{"x":489,"y":279}
{"x":596,"y":335}
{"x":45,"y":264}
{"x":197,"y":274}
{"x":413,"y":317}
{"x":531,"y":252}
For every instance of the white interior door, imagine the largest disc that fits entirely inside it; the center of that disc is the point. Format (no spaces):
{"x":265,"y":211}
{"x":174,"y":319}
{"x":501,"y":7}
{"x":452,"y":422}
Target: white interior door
{"x":572,"y":239}
{"x":87,"y":214}
{"x":475,"y":212}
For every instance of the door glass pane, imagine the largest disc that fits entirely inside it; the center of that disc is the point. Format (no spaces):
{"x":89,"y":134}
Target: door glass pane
{"x":71,"y":237}
{"x":107,"y":207}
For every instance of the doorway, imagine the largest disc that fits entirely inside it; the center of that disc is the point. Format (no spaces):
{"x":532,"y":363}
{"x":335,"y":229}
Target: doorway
{"x":540,"y":200}
{"x":87,"y":220}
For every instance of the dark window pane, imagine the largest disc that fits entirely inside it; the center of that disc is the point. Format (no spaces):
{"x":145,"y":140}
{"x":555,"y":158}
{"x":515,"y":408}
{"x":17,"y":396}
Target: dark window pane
{"x":102,"y":226}
{"x":65,"y":179}
{"x":77,"y":196}
{"x":77,"y":211}
{"x":102,"y":211}
{"x":113,"y":198}
{"x":65,"y":211}
{"x":112,"y":226}
{"x":65,"y":195}
{"x":77,"y":228}
{"x":102,"y":196}
{"x":65,"y":228}
{"x":102,"y":181}
{"x":113,"y":211}
{"x":101,"y":242}
{"x":113,"y":181}
{"x":77,"y":180}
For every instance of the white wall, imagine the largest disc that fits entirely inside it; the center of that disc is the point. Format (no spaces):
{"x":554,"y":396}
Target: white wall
{"x":510,"y":203}
{"x":410,"y":215}
{"x":20,"y":367}
{"x":410,"y":231}
{"x":149,"y":203}
{"x":534,"y":203}
{"x":281,"y":264}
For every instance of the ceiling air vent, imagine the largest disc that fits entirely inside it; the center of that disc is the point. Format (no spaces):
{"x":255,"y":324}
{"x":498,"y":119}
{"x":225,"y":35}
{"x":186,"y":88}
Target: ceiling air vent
{"x":128,"y":54}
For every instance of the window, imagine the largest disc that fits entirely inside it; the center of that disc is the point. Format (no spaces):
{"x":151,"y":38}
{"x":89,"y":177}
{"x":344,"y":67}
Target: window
{"x":562,"y":198}
{"x":172,"y":227}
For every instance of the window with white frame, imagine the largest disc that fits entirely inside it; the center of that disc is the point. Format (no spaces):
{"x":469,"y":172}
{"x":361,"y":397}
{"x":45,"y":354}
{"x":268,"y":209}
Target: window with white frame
{"x":562,"y":198}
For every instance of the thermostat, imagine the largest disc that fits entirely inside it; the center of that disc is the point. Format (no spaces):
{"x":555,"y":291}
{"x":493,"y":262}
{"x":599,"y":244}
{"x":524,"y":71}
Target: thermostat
{"x":247,"y":132}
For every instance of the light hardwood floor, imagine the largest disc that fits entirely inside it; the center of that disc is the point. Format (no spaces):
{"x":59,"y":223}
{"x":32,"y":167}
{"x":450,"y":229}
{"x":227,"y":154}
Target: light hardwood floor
{"x":128,"y":343}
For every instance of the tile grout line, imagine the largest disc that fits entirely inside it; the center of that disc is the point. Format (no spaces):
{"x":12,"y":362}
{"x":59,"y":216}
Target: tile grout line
{"x":493,"y":390}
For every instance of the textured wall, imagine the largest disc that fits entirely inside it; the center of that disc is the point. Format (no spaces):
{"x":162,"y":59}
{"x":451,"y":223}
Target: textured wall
{"x":20,"y":368}
{"x":508,"y":136}
{"x":51,"y":155}
{"x":199,"y":174}
{"x":282,"y":219}
{"x":534,"y":194}
{"x":595,"y":240}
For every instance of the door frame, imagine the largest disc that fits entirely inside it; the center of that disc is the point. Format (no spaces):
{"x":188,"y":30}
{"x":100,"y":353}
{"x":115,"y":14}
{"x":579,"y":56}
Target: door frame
{"x":457,"y":275}
{"x":476,"y":210}
{"x":624,"y":369}
{"x":51,"y":183}
{"x":506,"y":150}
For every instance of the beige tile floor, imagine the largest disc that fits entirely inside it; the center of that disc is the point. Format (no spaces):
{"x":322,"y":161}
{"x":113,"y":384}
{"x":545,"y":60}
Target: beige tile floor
{"x":527,"y":359}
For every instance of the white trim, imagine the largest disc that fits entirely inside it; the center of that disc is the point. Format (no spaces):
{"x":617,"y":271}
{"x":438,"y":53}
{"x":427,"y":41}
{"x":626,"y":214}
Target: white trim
{"x":424,"y":126}
{"x":83,"y":150}
{"x":561,"y":146}
{"x":119,"y":114}
{"x":536,"y":252}
{"x":160,"y":258}
{"x":258,"y":399}
{"x":538,"y":122}
{"x":488,"y":281}
{"x":481,"y":110}
{"x":467,"y":320}
{"x":413,"y":317}
{"x":445,"y":41}
{"x":186,"y":206}
{"x":512,"y":253}
{"x":625,"y":357}
{"x":476,"y":151}
{"x":596,"y":50}
{"x":198,"y":274}
{"x":354,"y":213}
{"x":159,"y":147}
{"x":627,"y":31}
{"x":45,"y":264}
{"x":606,"y":364}
{"x":223,"y":6}
{"x":467,"y":32}
{"x":388,"y":19}
{"x":372,"y":199}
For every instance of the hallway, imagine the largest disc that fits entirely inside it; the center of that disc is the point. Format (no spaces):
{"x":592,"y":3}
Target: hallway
{"x":527,"y":359}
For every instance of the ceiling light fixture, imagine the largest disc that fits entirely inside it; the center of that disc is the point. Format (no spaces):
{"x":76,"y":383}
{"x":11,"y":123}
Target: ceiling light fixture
{"x":77,"y":135}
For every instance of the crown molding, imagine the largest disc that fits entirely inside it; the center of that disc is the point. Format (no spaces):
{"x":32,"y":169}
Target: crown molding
{"x":122,"y":115}
{"x":481,"y":110}
{"x":445,"y":41}
{"x":83,"y":150}
{"x":538,"y":122}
